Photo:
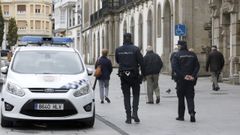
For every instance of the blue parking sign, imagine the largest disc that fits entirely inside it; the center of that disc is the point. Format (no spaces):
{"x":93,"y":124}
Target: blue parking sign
{"x":180,"y":30}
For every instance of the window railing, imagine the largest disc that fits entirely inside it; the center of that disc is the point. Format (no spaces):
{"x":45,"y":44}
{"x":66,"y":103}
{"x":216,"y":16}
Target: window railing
{"x":21,"y":12}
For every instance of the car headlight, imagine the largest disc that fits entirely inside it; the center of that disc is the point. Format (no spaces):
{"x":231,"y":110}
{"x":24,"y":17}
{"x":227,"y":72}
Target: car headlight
{"x":82,"y":91}
{"x":15,"y":90}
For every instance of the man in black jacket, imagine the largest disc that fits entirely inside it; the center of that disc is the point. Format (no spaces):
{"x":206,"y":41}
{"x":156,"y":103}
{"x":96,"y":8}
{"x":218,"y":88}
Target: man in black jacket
{"x":186,"y":67}
{"x":215,"y":61}
{"x":130,"y":59}
{"x":152,"y":66}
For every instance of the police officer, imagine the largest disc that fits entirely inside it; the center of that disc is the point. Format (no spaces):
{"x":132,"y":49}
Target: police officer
{"x":186,"y":67}
{"x":130,"y":59}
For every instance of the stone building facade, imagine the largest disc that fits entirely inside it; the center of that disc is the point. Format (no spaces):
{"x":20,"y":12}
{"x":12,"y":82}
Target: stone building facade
{"x":225,"y":21}
{"x":152,"y":22}
{"x":32,"y":17}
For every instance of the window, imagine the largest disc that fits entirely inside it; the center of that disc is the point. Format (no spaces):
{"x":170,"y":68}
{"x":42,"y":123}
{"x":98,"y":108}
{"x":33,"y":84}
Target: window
{"x":140,"y":31}
{"x":6,"y":10}
{"x":38,"y":25}
{"x":38,"y":9}
{"x":47,"y":10}
{"x":48,"y":62}
{"x":21,"y":9}
{"x":132,"y":29}
{"x":47,"y":25}
{"x":149,"y":28}
{"x":159,"y":21}
{"x":43,"y":7}
{"x":22,"y":25}
{"x":125,"y":27}
{"x":86,"y":11}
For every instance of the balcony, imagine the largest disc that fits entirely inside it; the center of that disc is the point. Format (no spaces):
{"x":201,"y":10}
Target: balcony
{"x":60,"y":27}
{"x":34,"y":32}
{"x":65,"y":3}
{"x":23,"y":1}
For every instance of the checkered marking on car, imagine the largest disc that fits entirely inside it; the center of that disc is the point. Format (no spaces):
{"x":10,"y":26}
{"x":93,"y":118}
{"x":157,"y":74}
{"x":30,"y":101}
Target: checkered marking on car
{"x":75,"y":84}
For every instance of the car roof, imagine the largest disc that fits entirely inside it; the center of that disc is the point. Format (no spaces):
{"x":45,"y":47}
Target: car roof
{"x":45,"y":48}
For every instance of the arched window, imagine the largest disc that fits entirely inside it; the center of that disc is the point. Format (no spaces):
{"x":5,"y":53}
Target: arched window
{"x":103,"y":46}
{"x":94,"y":47}
{"x":132,"y":29}
{"x":98,"y":44}
{"x":159,"y":21}
{"x":125,"y":27}
{"x":149,"y":28}
{"x":140,"y":32}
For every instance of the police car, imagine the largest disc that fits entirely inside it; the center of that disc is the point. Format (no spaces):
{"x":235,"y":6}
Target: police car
{"x":47,"y":83}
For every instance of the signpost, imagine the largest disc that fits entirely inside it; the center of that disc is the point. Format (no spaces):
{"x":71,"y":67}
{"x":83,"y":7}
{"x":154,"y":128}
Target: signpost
{"x":180,"y":30}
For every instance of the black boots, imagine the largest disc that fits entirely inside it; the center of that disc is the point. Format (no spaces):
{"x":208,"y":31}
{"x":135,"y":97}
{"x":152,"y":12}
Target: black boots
{"x":158,"y":100}
{"x":135,"y":117}
{"x":192,"y":118}
{"x":107,"y":99}
{"x":129,"y":120}
{"x":180,"y":118}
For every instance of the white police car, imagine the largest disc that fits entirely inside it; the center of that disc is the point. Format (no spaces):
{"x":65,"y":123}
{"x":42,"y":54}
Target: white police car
{"x":47,"y":83}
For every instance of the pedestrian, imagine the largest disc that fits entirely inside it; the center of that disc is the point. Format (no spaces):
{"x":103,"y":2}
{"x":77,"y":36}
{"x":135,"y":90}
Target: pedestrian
{"x":130,"y":59}
{"x":215,"y":62}
{"x":186,"y":67}
{"x":106,"y":70}
{"x":152,"y":66}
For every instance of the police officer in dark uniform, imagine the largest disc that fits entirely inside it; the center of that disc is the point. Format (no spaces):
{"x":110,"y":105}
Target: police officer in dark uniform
{"x":186,"y":67}
{"x":130,"y":59}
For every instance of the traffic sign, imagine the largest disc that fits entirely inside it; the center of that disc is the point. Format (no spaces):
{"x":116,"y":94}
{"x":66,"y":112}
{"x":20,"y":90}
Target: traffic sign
{"x":180,"y":30}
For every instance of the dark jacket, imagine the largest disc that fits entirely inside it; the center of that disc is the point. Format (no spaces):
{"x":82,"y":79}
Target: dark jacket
{"x":129,"y":57}
{"x":215,"y":61}
{"x":152,"y":63}
{"x":185,"y":63}
{"x":106,"y":67}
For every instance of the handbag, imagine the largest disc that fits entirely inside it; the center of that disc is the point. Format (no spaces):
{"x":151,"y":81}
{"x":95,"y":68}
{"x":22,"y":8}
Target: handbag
{"x":98,"y":71}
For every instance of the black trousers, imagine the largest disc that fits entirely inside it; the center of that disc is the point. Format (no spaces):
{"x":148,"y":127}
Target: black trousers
{"x":128,"y":83}
{"x":185,"y":89}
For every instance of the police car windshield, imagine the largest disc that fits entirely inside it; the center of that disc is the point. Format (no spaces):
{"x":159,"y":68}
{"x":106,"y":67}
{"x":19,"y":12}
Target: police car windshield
{"x":47,"y":62}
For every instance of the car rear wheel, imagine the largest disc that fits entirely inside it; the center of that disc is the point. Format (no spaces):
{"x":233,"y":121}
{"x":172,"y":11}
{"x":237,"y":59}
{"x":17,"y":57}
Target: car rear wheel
{"x":5,"y":122}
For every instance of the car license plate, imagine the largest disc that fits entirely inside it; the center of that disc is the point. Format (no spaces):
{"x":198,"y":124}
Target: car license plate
{"x":46,"y":106}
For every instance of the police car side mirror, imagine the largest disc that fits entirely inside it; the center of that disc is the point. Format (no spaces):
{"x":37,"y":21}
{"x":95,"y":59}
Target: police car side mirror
{"x":4,"y":70}
{"x":89,"y":71}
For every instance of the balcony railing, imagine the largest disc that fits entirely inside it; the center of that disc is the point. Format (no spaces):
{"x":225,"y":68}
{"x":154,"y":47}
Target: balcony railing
{"x":33,"y":32}
{"x":96,"y":16}
{"x":111,"y":6}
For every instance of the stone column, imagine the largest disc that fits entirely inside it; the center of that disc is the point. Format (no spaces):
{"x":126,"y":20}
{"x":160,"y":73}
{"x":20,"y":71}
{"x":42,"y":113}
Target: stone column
{"x":106,"y":35}
{"x":186,"y":17}
{"x":235,"y":47}
{"x":110,"y":39}
{"x":116,"y":37}
{"x":110,"y":36}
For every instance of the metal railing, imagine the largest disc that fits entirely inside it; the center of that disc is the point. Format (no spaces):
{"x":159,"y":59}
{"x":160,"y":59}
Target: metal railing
{"x":110,"y":6}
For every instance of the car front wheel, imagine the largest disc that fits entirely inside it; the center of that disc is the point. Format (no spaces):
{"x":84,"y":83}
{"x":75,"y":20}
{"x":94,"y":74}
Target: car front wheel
{"x":5,"y":122}
{"x":90,"y":121}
